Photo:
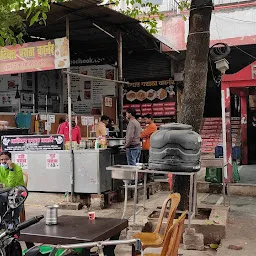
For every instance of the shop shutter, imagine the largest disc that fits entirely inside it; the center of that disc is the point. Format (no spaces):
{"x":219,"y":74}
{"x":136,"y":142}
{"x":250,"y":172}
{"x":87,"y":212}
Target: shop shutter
{"x":149,"y":65}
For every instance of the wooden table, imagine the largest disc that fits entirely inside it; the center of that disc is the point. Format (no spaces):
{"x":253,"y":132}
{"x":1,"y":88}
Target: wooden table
{"x":75,"y":229}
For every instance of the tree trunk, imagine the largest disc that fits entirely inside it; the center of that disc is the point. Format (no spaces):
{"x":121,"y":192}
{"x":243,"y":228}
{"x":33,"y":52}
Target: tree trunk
{"x":195,"y":80}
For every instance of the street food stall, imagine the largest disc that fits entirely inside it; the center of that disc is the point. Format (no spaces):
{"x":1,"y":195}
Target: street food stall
{"x":40,"y":80}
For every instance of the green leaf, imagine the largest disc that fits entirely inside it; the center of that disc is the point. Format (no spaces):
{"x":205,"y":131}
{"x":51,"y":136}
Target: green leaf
{"x":29,"y":13}
{"x":34,"y":19}
{"x":44,"y":15}
{"x":1,"y":41}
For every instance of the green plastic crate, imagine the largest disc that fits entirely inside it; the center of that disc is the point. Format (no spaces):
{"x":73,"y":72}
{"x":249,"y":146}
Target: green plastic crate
{"x":45,"y":249}
{"x":213,"y":175}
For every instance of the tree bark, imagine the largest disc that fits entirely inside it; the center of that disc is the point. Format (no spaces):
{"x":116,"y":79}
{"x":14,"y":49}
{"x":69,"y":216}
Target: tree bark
{"x":195,"y":81}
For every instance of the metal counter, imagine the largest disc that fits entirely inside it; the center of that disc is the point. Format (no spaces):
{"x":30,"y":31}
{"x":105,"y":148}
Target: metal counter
{"x":89,"y":166}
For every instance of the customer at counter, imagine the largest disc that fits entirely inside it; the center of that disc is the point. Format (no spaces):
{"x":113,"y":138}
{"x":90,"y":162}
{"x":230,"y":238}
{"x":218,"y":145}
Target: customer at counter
{"x":76,"y":132}
{"x":132,"y":140}
{"x":101,"y":127}
{"x":146,"y":134}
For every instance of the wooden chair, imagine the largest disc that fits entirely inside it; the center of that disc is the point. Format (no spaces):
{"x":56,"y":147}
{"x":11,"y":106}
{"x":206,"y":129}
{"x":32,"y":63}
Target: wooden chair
{"x":172,"y":238}
{"x":23,"y":213}
{"x":156,"y":239}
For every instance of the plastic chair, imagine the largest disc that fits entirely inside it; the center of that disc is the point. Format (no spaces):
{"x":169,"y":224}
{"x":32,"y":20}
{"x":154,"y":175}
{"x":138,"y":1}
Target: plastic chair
{"x":156,"y":239}
{"x":172,"y":238}
{"x":23,"y":213}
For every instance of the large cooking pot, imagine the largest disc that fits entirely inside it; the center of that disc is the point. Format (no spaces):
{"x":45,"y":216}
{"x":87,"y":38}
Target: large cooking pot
{"x":115,"y":142}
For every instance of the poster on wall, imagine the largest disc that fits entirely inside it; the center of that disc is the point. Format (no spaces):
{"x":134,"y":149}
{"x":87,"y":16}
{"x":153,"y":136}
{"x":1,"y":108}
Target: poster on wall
{"x":10,"y":82}
{"x":22,"y":160}
{"x":32,"y":142}
{"x":7,"y":99}
{"x":86,"y":93}
{"x":157,"y":98}
{"x":52,"y":161}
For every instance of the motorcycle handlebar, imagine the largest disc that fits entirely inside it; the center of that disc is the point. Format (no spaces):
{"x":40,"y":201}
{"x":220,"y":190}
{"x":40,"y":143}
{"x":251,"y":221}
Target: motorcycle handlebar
{"x":29,"y":222}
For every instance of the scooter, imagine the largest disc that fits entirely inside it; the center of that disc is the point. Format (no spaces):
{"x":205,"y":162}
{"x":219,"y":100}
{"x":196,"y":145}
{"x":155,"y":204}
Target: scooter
{"x":10,"y":201}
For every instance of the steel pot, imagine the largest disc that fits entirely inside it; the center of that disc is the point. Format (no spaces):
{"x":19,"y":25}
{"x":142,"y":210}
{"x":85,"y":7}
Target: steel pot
{"x":116,"y":142}
{"x":89,"y":144}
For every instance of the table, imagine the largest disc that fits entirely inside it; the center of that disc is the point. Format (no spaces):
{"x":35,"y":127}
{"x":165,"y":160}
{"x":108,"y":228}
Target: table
{"x":75,"y":229}
{"x":133,"y":169}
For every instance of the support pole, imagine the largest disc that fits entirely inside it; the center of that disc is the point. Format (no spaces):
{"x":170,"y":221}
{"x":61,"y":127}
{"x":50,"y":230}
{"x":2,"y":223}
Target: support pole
{"x":69,"y":122}
{"x":226,"y":130}
{"x":224,"y":138}
{"x":244,"y":130}
{"x":120,"y":78}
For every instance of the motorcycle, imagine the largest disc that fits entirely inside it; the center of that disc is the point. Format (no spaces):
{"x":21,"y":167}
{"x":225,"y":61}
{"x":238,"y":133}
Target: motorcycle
{"x":10,"y":201}
{"x":77,"y":249}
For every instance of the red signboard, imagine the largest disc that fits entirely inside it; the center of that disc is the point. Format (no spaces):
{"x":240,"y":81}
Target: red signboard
{"x":157,"y":98}
{"x":35,"y":56}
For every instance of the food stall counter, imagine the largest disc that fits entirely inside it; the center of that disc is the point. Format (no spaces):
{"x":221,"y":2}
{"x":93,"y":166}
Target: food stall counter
{"x":49,"y":170}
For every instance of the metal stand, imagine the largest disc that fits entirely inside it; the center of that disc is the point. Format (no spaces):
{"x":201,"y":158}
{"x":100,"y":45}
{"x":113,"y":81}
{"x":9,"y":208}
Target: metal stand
{"x":122,"y":169}
{"x":219,"y":163}
{"x":192,"y":192}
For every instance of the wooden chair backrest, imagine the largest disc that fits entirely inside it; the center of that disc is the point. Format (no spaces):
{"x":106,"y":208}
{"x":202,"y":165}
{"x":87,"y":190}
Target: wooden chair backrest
{"x":173,"y":237}
{"x":174,"y":200}
{"x":25,"y":175}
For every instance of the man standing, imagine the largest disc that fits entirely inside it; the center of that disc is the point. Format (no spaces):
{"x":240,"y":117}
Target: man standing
{"x":76,"y":132}
{"x":101,"y":129}
{"x":145,"y":136}
{"x":132,"y":141}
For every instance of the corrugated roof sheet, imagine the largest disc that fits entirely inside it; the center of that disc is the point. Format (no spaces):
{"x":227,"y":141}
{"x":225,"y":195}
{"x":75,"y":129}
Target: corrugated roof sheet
{"x":82,"y":14}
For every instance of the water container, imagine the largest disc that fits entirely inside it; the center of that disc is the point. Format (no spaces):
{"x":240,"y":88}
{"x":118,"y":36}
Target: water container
{"x":175,"y":147}
{"x":51,"y":215}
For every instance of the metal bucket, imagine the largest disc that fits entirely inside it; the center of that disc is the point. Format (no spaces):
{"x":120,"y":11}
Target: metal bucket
{"x":51,"y":215}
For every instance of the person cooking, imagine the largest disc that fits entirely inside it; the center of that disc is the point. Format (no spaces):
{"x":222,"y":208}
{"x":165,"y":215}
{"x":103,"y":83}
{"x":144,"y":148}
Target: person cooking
{"x":76,"y":132}
{"x":101,"y":127}
{"x":132,"y":140}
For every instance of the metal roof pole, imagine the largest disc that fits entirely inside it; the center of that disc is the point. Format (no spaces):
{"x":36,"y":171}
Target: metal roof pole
{"x":71,"y":155}
{"x":120,"y":78}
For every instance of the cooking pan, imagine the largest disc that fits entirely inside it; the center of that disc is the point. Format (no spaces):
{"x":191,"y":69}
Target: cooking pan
{"x":116,"y":142}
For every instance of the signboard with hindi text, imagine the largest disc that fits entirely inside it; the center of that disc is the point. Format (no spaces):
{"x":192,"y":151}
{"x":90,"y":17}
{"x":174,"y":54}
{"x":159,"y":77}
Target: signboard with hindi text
{"x":35,"y":56}
{"x":32,"y":142}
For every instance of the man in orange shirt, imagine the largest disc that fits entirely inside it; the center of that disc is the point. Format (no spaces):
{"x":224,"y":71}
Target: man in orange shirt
{"x":146,"y":134}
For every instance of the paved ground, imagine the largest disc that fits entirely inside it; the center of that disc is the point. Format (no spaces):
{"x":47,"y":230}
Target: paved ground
{"x":35,"y":205}
{"x":247,"y":174}
{"x":241,"y":228}
{"x":241,"y":225}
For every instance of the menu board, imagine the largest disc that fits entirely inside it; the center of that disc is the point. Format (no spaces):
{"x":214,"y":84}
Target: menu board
{"x":157,"y":98}
{"x":87,"y":93}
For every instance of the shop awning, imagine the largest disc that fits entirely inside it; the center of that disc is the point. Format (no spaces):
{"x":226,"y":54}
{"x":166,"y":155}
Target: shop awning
{"x":86,"y":16}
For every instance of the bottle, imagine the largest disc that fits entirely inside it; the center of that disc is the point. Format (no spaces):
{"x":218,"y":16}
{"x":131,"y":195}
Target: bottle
{"x":96,"y":144}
